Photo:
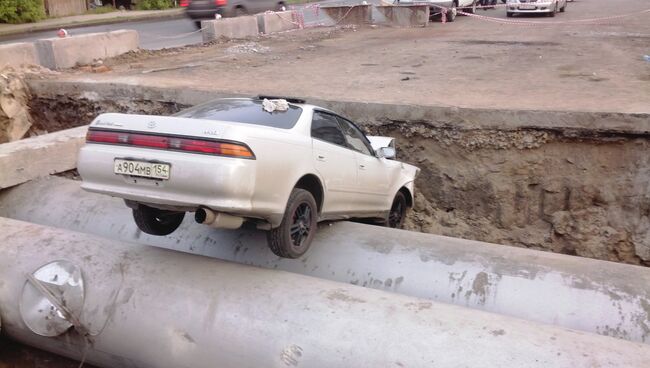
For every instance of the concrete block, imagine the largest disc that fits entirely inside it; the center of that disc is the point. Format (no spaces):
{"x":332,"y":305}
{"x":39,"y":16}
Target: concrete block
{"x":406,"y":15}
{"x":273,"y":22}
{"x":30,"y":158}
{"x":16,"y":54}
{"x":349,"y":14}
{"x":57,"y":53}
{"x":239,"y":27}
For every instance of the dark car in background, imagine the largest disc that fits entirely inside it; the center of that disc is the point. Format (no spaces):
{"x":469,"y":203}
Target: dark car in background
{"x":199,"y":10}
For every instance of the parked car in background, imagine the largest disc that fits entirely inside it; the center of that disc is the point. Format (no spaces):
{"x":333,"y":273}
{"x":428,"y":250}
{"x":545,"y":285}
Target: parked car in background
{"x":452,"y":6}
{"x":199,"y":10}
{"x":280,"y":165}
{"x":548,"y":7}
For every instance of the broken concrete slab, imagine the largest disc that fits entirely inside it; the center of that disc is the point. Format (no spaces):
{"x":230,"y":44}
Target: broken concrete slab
{"x":239,"y":27}
{"x":30,"y":158}
{"x":349,"y":14}
{"x":17,"y":54}
{"x":57,"y":53}
{"x":272,"y":22}
{"x":406,"y":15}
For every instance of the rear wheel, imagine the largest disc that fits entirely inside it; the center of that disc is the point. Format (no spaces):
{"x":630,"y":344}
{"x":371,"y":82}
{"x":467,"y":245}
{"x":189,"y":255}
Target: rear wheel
{"x":397,"y":211}
{"x":510,"y":14}
{"x":197,"y":24}
{"x":563,"y":9}
{"x":157,"y":222}
{"x":452,"y":12}
{"x":296,"y":232}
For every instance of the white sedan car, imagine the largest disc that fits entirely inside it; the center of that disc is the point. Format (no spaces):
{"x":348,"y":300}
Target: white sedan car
{"x":280,"y":164}
{"x":548,"y":7}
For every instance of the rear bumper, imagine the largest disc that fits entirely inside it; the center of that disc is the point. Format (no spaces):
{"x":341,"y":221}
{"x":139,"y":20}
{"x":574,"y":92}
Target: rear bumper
{"x":220,"y":183}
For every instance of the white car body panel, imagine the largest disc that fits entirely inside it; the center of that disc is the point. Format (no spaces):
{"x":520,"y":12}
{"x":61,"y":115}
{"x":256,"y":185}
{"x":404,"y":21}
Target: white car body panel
{"x":354,"y":184}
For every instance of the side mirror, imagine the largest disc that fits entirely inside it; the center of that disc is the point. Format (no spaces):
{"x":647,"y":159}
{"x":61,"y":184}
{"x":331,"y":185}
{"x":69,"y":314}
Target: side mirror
{"x":387,"y":152}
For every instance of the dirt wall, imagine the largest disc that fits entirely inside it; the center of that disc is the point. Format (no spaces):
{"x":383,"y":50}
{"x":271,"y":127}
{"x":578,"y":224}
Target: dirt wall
{"x":574,"y":192}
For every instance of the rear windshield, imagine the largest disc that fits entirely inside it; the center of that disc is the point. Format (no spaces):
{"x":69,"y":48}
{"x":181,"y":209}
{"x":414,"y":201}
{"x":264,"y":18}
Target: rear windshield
{"x":243,"y":111}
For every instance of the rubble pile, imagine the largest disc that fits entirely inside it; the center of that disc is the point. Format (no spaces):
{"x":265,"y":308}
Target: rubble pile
{"x":15,"y":120}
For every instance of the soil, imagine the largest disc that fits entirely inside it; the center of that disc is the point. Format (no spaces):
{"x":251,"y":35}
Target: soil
{"x":585,"y":196}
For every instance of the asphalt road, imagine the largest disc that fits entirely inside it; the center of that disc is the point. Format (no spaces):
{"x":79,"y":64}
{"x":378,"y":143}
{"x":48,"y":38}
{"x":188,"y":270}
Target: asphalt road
{"x":155,"y":34}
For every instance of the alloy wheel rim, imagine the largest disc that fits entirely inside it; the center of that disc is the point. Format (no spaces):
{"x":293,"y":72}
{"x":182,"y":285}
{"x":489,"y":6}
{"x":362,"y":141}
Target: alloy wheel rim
{"x":395,"y":215}
{"x":301,"y":225}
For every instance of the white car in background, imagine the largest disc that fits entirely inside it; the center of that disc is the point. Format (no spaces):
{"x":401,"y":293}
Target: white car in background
{"x":279,"y":164}
{"x":548,"y":7}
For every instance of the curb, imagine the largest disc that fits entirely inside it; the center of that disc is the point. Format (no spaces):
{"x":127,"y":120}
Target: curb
{"x":93,"y":22}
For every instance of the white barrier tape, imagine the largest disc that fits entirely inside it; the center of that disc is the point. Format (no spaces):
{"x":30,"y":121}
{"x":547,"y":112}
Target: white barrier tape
{"x":554,"y":23}
{"x":444,"y":10}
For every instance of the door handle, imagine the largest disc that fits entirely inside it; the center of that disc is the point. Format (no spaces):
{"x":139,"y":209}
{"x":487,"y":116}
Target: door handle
{"x":362,"y":167}
{"x":321,"y":158}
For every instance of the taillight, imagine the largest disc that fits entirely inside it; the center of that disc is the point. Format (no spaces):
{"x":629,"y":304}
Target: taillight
{"x":170,"y":143}
{"x":221,"y":2}
{"x":185,"y":2}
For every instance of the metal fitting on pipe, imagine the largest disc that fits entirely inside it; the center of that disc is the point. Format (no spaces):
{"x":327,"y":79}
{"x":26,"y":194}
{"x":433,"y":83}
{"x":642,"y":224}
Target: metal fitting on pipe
{"x":583,"y":294}
{"x":149,"y":307}
{"x":217,"y":220}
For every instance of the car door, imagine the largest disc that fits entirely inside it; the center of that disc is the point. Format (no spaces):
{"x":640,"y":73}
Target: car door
{"x":335,"y":163}
{"x":375,"y":176}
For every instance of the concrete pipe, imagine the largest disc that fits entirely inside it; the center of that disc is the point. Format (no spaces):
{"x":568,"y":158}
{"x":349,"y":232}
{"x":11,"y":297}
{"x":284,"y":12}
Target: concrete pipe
{"x":127,"y":305}
{"x":589,"y":295}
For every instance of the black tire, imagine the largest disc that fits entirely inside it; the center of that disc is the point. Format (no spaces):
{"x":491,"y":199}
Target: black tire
{"x":294,"y":235}
{"x":451,"y":14}
{"x":509,"y":14}
{"x":563,"y":9}
{"x":197,"y":24}
{"x":397,"y":211}
{"x":157,"y":222}
{"x":240,"y":11}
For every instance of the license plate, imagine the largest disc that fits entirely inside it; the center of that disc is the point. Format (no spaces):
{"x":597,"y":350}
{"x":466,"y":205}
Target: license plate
{"x":527,"y":7}
{"x":142,"y":168}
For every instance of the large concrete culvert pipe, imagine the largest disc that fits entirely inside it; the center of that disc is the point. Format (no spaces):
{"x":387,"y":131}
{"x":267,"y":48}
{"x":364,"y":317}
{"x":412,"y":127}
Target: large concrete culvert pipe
{"x":589,"y":295}
{"x":142,"y":306}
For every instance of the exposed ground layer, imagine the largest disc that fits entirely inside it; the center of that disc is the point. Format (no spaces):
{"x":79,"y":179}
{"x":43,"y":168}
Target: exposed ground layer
{"x":564,"y":191}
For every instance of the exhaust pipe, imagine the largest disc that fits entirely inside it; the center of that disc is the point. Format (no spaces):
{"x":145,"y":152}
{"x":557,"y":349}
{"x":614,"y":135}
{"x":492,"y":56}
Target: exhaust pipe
{"x":218,"y":220}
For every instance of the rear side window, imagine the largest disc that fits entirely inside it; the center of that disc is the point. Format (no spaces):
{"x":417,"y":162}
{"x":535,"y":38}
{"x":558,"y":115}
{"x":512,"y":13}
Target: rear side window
{"x":243,"y":111}
{"x":325,"y":127}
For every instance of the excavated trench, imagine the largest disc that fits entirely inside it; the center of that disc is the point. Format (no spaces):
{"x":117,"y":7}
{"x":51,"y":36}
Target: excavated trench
{"x":573,"y":191}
